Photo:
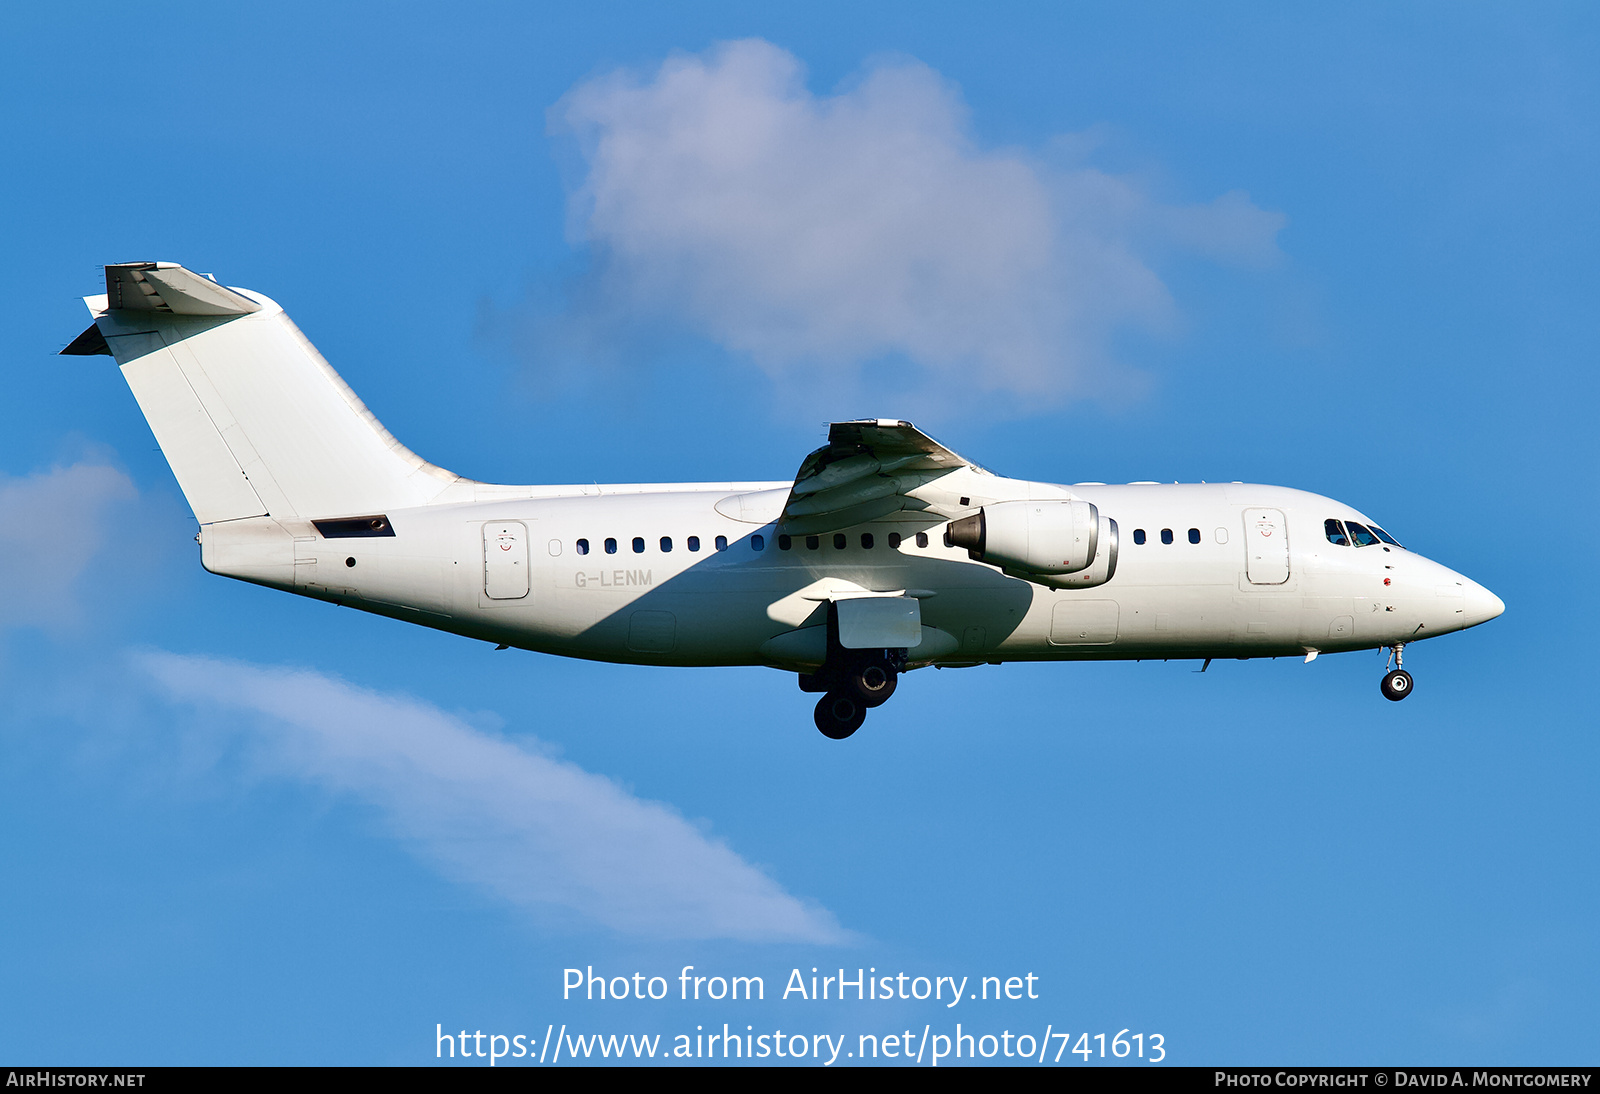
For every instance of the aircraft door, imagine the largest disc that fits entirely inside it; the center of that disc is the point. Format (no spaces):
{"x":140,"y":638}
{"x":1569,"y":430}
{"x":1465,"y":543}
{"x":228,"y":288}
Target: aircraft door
{"x":1266,"y":546}
{"x":505,"y":560}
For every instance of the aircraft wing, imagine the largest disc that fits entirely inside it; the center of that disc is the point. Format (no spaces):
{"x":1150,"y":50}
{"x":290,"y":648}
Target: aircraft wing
{"x":868,"y":470}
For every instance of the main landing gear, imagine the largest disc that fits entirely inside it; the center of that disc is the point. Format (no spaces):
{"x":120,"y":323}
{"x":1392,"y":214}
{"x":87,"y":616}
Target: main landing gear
{"x":1396,"y":683}
{"x":852,"y":683}
{"x":840,"y":714}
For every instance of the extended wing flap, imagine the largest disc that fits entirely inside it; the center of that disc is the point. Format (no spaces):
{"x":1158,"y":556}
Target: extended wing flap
{"x":867,"y":471}
{"x":883,"y":440}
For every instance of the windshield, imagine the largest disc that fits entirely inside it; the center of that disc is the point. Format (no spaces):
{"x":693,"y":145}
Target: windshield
{"x":1359,"y":533}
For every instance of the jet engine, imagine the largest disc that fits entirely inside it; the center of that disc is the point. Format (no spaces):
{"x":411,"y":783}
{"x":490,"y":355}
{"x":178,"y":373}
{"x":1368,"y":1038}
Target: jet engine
{"x":1101,"y":571}
{"x":1036,"y":537}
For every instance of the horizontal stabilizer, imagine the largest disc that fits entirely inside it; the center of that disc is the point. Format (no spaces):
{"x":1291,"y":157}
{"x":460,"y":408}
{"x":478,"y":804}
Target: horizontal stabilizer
{"x":168,"y":287}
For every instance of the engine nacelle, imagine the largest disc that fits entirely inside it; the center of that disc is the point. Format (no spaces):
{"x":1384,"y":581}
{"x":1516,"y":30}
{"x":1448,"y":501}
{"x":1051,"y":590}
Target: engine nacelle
{"x":1039,"y":537}
{"x":1102,"y":571}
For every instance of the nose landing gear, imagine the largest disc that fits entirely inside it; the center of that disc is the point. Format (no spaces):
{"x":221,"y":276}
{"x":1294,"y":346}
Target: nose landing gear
{"x":1396,"y":683}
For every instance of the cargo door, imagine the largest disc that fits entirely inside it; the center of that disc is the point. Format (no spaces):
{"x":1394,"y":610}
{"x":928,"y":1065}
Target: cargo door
{"x":1266,"y":546}
{"x":505,"y":560}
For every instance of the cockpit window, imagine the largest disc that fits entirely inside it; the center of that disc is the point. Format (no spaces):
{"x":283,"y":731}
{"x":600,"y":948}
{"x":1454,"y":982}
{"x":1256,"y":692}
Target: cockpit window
{"x":1335,"y":532}
{"x":1359,"y":533}
{"x":1385,"y":536}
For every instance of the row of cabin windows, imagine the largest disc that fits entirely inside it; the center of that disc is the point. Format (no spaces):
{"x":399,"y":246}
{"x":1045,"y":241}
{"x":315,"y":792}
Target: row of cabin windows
{"x":1344,"y":533}
{"x":1166,"y":535}
{"x":841,"y":541}
{"x":757,"y":543}
{"x":1348,"y":533}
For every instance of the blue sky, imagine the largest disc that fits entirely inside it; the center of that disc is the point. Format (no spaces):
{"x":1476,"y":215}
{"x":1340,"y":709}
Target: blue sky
{"x":1347,"y":251}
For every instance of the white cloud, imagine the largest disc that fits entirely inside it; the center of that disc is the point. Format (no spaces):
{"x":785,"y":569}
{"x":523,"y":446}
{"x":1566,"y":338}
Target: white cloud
{"x":52,"y":526}
{"x":540,"y":833}
{"x":816,"y":234}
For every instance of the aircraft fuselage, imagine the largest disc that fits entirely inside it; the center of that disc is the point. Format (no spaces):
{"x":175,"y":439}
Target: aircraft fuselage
{"x":702,"y":605}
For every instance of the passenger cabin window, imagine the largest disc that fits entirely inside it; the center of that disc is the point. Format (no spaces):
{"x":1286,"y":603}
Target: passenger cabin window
{"x":638,"y":545}
{"x":1359,"y":533}
{"x":694,"y":543}
{"x":922,"y":539}
{"x":866,"y":541}
{"x":839,"y":541}
{"x":1336,"y":533}
{"x":583,"y":546}
{"x":758,"y":543}
{"x":1138,"y":536}
{"x":813,"y":542}
{"x":611,"y":546}
{"x":785,"y":542}
{"x":722,"y":543}
{"x":1166,"y":535}
{"x":666,"y":544}
{"x":1194,"y":535}
{"x":894,"y":541}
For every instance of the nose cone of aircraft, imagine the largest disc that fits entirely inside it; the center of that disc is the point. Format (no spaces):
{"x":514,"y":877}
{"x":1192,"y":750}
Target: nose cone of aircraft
{"x":1480,"y":605}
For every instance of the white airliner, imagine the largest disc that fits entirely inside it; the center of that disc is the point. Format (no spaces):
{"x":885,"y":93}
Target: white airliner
{"x":887,"y":552}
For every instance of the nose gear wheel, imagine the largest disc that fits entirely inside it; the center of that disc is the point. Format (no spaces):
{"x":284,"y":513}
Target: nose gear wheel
{"x":1397,"y":682}
{"x":1396,"y":685}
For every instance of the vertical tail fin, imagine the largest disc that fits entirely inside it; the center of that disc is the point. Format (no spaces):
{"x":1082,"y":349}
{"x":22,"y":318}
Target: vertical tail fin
{"x":251,"y":418}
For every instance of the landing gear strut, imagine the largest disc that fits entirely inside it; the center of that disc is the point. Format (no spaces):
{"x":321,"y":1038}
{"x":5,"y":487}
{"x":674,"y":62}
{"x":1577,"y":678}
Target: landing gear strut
{"x":1396,"y":683}
{"x":852,"y":682}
